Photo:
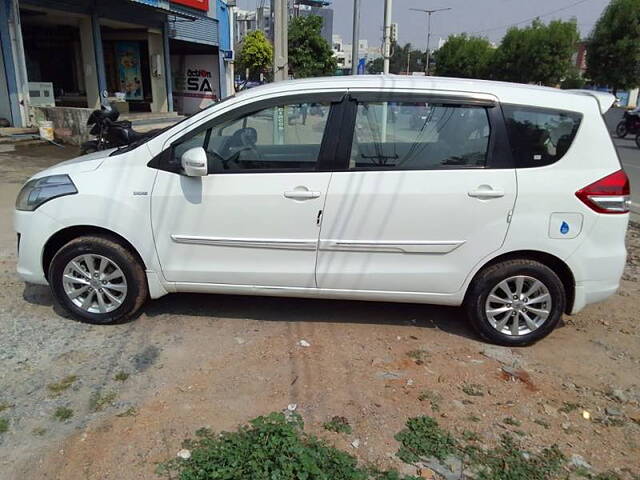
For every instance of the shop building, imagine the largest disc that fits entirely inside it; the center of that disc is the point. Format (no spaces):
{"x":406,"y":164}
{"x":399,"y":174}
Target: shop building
{"x":75,"y":54}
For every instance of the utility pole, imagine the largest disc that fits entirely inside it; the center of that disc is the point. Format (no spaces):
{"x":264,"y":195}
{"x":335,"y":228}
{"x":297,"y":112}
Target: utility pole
{"x":355,"y":41}
{"x":429,"y":13}
{"x":386,"y":49}
{"x":280,"y":40}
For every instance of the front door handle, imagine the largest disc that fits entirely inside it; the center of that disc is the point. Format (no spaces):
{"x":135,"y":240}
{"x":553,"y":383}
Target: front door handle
{"x":486,"y":191}
{"x":302,"y":194}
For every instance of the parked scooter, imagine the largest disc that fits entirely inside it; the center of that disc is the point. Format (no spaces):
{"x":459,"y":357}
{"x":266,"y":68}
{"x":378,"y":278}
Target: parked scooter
{"x":630,"y":123}
{"x":109,"y":132}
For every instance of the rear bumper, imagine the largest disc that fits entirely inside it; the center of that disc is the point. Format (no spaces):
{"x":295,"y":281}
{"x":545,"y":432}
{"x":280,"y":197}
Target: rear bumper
{"x":598,"y":264}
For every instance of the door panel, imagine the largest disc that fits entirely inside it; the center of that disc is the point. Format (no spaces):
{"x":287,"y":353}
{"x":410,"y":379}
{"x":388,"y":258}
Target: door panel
{"x":238,"y":228}
{"x":254,"y":219}
{"x":410,"y":231}
{"x":418,"y":205}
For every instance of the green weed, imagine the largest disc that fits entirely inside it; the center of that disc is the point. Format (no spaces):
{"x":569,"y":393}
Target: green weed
{"x":98,"y":400}
{"x":4,"y":424}
{"x":423,"y":438}
{"x":121,"y":376}
{"x":62,"y":385}
{"x":338,"y":425}
{"x":62,"y":413}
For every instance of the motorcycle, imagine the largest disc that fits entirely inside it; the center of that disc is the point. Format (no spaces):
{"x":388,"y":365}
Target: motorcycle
{"x":109,"y":132}
{"x":630,"y":124}
{"x":638,"y":140}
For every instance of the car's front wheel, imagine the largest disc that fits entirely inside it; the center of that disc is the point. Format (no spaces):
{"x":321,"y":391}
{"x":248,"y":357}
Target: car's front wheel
{"x":98,"y":280}
{"x":515,"y":302}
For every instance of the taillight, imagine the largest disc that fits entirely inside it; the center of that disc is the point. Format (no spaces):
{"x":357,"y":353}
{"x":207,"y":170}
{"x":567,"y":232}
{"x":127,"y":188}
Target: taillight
{"x":610,"y":194}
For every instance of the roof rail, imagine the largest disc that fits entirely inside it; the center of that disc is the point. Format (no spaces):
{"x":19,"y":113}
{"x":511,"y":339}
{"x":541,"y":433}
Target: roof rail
{"x":605,"y":99}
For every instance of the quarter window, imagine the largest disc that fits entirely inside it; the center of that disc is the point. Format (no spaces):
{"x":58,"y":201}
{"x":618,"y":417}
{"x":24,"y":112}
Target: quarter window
{"x":283,"y":137}
{"x":419,"y":136}
{"x":538,"y":136}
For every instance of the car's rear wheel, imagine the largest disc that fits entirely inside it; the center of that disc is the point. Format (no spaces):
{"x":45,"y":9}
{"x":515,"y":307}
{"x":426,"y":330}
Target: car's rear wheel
{"x":98,"y":280}
{"x":515,"y":302}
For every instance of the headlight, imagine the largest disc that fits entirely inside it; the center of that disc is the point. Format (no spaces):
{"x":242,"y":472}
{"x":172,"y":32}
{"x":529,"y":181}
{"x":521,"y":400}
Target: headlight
{"x":41,"y":190}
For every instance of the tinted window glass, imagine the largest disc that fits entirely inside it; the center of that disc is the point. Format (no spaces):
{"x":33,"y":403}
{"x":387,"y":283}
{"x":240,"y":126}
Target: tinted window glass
{"x":419,"y":135}
{"x":284,"y":137}
{"x":539,"y":136}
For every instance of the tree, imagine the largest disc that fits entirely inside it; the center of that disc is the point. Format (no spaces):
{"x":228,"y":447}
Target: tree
{"x":613,"y":50}
{"x":399,"y":58}
{"x":465,"y":57}
{"x":309,"y":54}
{"x":538,"y":53}
{"x":256,"y":55}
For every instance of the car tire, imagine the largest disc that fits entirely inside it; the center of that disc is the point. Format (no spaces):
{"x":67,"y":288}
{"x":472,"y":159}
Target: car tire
{"x":494,"y":318}
{"x":102,"y":267}
{"x":621,"y":130}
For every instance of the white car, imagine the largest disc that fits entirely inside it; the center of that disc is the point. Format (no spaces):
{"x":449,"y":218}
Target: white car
{"x":507,"y":199}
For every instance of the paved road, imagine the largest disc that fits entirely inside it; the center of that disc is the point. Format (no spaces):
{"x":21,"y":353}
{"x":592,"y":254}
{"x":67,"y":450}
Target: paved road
{"x":629,"y":155}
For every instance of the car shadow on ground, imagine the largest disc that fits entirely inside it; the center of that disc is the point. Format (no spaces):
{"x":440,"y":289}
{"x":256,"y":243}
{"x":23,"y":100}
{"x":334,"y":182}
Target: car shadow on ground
{"x":279,"y":309}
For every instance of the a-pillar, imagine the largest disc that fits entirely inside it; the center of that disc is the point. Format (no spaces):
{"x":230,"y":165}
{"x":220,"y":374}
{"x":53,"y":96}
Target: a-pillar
{"x":157,"y":66}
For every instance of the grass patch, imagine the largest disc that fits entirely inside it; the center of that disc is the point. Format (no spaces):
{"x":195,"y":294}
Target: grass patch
{"x":121,"y":376}
{"x":470,"y":436}
{"x":4,"y":406}
{"x":419,"y":356}
{"x":338,"y":425}
{"x":129,"y":412}
{"x":473,"y":418}
{"x":39,"y":431}
{"x":512,"y":421}
{"x":433,"y":398}
{"x":508,"y":461}
{"x":62,"y":385}
{"x":473,"y":389}
{"x":269,"y":447}
{"x":4,"y":425}
{"x":423,"y":438}
{"x":62,"y":413}
{"x":98,"y":400}
{"x":568,"y":407}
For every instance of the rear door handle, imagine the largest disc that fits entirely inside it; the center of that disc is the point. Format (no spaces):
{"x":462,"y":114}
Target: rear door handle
{"x":302,"y":194}
{"x":486,"y":191}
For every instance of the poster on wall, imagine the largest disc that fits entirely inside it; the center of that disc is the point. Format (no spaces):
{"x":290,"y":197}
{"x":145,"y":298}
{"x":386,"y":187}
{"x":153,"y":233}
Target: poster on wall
{"x":196,"y":82}
{"x":129,"y":70}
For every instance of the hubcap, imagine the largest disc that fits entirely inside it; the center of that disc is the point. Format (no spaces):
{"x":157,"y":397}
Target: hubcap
{"x":518,"y":305}
{"x":94,"y":283}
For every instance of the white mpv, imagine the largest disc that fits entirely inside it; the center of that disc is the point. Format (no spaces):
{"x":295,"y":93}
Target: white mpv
{"x":507,"y":199}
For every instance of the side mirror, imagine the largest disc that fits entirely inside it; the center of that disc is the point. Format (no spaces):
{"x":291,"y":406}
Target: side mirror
{"x":194,"y":162}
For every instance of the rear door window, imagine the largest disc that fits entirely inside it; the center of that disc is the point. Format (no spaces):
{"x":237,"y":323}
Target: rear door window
{"x":539,"y":136}
{"x":419,"y":136}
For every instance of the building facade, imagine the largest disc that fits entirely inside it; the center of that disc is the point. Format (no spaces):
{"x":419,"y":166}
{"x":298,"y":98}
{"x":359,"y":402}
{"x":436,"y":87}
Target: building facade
{"x":142,"y":55}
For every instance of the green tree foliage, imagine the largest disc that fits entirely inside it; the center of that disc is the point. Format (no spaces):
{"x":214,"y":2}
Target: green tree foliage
{"x":538,"y":53}
{"x":256,"y":55}
{"x":398,"y":61}
{"x":309,"y":54}
{"x":465,"y":57}
{"x":613,"y":51}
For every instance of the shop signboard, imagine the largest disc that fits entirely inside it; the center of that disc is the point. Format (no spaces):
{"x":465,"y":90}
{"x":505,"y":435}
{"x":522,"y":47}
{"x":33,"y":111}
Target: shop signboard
{"x":196,"y":82}
{"x":197,"y":4}
{"x":129,"y":70}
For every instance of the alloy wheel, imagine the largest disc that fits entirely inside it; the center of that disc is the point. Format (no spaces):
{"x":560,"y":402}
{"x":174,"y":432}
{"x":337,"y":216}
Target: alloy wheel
{"x":518,"y":305}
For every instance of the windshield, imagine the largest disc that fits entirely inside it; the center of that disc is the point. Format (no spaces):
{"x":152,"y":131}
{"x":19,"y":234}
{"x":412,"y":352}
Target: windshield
{"x":154,"y":133}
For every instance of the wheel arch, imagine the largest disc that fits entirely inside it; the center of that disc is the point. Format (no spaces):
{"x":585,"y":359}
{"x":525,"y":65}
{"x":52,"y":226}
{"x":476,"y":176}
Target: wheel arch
{"x":62,"y":237}
{"x":556,"y":264}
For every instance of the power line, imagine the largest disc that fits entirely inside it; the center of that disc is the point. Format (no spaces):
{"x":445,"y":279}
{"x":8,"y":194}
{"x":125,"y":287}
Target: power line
{"x":530,"y":19}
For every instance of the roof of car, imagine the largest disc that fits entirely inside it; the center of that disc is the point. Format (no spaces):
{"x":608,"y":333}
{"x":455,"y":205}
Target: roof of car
{"x":505,"y":92}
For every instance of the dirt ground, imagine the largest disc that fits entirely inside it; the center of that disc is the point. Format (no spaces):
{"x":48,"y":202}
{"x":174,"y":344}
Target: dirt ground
{"x":218,"y":361}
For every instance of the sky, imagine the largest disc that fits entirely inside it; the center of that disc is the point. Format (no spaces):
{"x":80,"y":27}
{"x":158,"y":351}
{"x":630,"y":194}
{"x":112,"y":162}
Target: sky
{"x":489,"y":18}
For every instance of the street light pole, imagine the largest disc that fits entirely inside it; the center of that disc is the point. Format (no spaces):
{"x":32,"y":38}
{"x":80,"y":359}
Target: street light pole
{"x":386,"y":49}
{"x":355,"y":41}
{"x":429,"y":13}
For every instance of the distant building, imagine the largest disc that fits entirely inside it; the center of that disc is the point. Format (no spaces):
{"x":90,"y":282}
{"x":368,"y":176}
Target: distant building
{"x":342,"y":52}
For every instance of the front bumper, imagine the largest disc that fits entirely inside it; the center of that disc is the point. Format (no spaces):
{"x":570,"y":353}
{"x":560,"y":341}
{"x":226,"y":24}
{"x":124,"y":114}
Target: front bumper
{"x":33,"y":229}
